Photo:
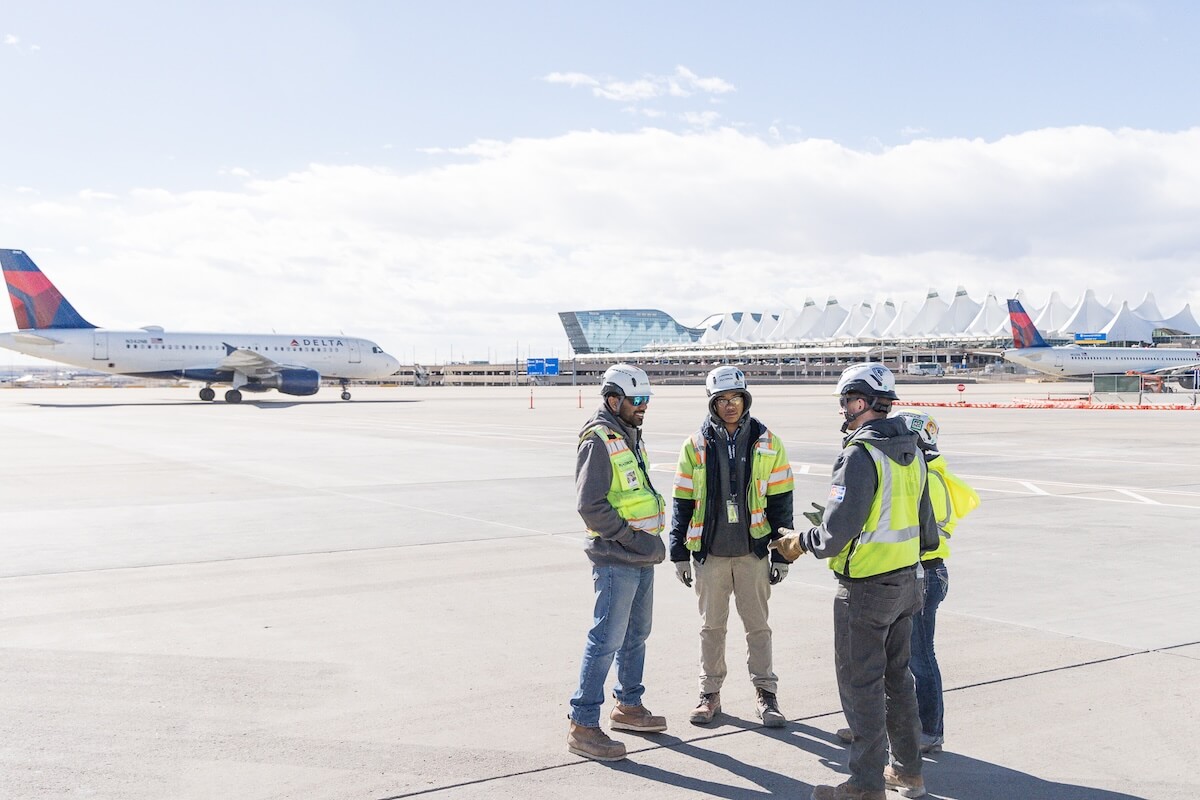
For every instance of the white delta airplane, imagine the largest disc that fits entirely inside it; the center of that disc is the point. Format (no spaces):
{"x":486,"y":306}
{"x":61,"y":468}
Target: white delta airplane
{"x":51,"y":328}
{"x":1030,"y":350}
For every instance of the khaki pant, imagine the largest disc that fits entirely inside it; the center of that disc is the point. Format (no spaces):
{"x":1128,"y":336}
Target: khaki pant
{"x":747,"y":578}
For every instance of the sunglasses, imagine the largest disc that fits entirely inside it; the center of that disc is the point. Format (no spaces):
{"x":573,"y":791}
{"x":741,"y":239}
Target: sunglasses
{"x":640,"y":400}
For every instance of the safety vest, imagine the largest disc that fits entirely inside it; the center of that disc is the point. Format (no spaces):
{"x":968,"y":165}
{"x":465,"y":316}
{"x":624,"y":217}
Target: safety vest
{"x":891,"y":536}
{"x":770,"y":474}
{"x":952,"y":500}
{"x":630,"y":494}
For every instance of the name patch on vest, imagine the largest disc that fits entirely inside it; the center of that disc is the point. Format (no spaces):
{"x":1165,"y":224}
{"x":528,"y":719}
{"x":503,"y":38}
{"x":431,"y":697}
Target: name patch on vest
{"x":837,"y":493}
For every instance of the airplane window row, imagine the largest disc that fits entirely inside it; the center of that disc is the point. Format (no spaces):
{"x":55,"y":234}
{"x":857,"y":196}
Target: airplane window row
{"x":217,"y":347}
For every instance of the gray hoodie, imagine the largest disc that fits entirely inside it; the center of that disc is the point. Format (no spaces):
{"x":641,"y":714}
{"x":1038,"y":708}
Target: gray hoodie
{"x":617,"y":544}
{"x":854,"y":484}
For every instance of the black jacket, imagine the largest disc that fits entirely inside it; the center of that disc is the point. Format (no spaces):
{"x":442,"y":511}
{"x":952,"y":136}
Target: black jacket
{"x":779,"y":506}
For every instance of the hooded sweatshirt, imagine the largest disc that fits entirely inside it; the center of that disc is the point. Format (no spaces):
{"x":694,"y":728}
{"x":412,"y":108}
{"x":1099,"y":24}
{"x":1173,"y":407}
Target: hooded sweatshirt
{"x":852,"y":490}
{"x":618,"y":544}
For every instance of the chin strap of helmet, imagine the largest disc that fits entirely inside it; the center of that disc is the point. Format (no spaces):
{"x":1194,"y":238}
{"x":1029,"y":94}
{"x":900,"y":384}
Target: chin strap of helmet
{"x":880,"y":405}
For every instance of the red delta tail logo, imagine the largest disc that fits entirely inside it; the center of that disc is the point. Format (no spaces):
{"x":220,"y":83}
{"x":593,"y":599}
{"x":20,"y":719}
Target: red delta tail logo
{"x":1024,"y":333}
{"x":36,"y":302}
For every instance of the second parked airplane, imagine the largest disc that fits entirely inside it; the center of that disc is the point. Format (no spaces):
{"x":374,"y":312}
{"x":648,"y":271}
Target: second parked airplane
{"x":51,"y":328}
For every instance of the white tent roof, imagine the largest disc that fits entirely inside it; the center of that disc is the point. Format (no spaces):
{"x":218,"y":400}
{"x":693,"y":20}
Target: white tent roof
{"x":1090,"y":316}
{"x":1148,"y":309}
{"x":990,"y":319}
{"x":929,"y":316}
{"x":1127,"y":326}
{"x":720,"y":331}
{"x":809,"y":315}
{"x":960,"y":314}
{"x":1052,"y":318}
{"x":881,"y":317}
{"x":831,"y":319}
{"x":904,"y":317}
{"x":1183,"y":321}
{"x":777,"y":333}
{"x":855,"y":321}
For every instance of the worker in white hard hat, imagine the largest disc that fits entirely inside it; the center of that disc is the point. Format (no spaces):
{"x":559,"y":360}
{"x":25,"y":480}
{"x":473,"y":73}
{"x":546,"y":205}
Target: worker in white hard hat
{"x":876,"y":521}
{"x":733,"y":490}
{"x":625,"y":517}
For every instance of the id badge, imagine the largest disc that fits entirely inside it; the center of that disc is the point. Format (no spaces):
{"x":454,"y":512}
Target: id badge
{"x":731,"y":510}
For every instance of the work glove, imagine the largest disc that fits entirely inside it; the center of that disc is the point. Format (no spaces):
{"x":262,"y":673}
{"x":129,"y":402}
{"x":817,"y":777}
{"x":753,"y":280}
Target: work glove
{"x":778,"y":573}
{"x":815,"y":517}
{"x":683,"y":571}
{"x":788,"y":544}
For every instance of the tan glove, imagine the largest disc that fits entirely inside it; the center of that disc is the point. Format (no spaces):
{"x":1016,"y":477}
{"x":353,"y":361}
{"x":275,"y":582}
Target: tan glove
{"x":788,"y":544}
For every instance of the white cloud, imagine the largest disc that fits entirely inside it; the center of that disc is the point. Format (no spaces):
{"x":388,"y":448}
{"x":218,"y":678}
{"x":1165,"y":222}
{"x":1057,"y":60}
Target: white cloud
{"x":701,"y":119}
{"x":571,"y":79}
{"x":483,"y":252}
{"x":682,"y":83}
{"x":10,"y":39}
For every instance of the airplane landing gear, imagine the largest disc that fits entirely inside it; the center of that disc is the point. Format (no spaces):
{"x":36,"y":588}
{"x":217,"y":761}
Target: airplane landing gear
{"x":233,"y":396}
{"x":345,"y":395}
{"x":207,"y":394}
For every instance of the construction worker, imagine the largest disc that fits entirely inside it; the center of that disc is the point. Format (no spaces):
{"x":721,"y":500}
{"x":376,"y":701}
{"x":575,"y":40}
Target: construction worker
{"x":876,"y":521}
{"x":625,"y":517}
{"x":952,"y":499}
{"x":733,"y":489}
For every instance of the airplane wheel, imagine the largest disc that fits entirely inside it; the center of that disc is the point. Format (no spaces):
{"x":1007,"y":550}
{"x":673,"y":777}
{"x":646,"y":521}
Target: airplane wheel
{"x":233,"y":396}
{"x":345,"y":395}
{"x":207,"y":394}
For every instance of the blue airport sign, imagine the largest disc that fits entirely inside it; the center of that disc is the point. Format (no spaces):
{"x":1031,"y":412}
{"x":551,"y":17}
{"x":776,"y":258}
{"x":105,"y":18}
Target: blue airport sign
{"x":1091,"y":337}
{"x":541,"y":366}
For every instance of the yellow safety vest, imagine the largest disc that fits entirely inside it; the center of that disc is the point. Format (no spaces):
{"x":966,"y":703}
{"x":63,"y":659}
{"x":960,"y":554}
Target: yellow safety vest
{"x":891,"y":536}
{"x":952,"y":500}
{"x":630,"y":494}
{"x":770,"y":474}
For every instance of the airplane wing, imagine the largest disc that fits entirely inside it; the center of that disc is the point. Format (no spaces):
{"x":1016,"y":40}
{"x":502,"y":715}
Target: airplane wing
{"x":248,"y":362}
{"x":1171,"y":370}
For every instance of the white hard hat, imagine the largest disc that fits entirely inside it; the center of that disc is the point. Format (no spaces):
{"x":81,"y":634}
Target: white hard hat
{"x":727,"y":379}
{"x":625,"y":380}
{"x":923,"y":425}
{"x":869,"y":379}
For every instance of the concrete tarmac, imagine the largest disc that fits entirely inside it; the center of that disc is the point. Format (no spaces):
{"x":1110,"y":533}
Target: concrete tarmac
{"x":387,"y":598}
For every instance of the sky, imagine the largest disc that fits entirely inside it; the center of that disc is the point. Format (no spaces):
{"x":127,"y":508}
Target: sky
{"x":444,"y":178}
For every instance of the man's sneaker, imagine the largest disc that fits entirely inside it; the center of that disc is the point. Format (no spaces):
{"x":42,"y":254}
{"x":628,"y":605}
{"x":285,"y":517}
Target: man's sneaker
{"x":931,"y":744}
{"x":768,"y":710}
{"x":906,"y":785}
{"x":708,"y":707}
{"x":593,"y":743}
{"x":636,"y":718}
{"x":846,"y":735}
{"x":847,"y":791}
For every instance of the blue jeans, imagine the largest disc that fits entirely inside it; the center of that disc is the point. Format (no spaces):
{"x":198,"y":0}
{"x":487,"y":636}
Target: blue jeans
{"x":924,"y":662}
{"x":620,"y":626}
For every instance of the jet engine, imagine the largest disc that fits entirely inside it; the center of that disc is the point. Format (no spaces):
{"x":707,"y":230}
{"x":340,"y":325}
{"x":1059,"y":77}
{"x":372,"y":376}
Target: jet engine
{"x":297,"y":381}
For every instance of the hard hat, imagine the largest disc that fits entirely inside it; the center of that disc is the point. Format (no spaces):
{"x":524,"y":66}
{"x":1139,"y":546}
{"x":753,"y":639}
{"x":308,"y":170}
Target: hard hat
{"x":870,"y":379}
{"x":625,"y":380}
{"x":726,"y":379}
{"x":923,"y":425}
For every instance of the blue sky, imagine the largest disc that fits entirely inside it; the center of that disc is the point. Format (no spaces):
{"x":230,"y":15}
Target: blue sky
{"x":445,"y":177}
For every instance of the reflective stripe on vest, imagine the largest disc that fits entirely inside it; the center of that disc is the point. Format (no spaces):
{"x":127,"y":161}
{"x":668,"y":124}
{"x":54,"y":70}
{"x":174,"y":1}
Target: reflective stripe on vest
{"x":765,"y":478}
{"x":630,"y":494}
{"x":891,"y":536}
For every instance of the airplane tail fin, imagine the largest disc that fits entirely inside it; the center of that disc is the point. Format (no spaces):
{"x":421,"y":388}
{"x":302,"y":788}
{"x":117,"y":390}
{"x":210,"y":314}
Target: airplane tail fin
{"x":36,"y":302}
{"x":1023,"y":331}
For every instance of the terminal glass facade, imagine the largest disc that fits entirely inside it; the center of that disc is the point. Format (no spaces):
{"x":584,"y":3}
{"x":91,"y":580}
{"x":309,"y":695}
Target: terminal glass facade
{"x":624,"y":330}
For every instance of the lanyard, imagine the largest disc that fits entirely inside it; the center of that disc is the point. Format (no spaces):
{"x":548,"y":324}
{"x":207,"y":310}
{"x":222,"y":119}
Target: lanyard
{"x":731,"y":443}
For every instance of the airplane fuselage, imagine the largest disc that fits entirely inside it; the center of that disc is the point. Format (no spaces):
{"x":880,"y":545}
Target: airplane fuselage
{"x":164,"y":354}
{"x":1073,"y":360}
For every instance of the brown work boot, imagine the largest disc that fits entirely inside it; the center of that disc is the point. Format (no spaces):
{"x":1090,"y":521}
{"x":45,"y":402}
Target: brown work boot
{"x":593,"y":743}
{"x":906,"y":785}
{"x":636,"y":718}
{"x":767,"y":707}
{"x":846,"y":735}
{"x":708,"y":707}
{"x":847,"y":791}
